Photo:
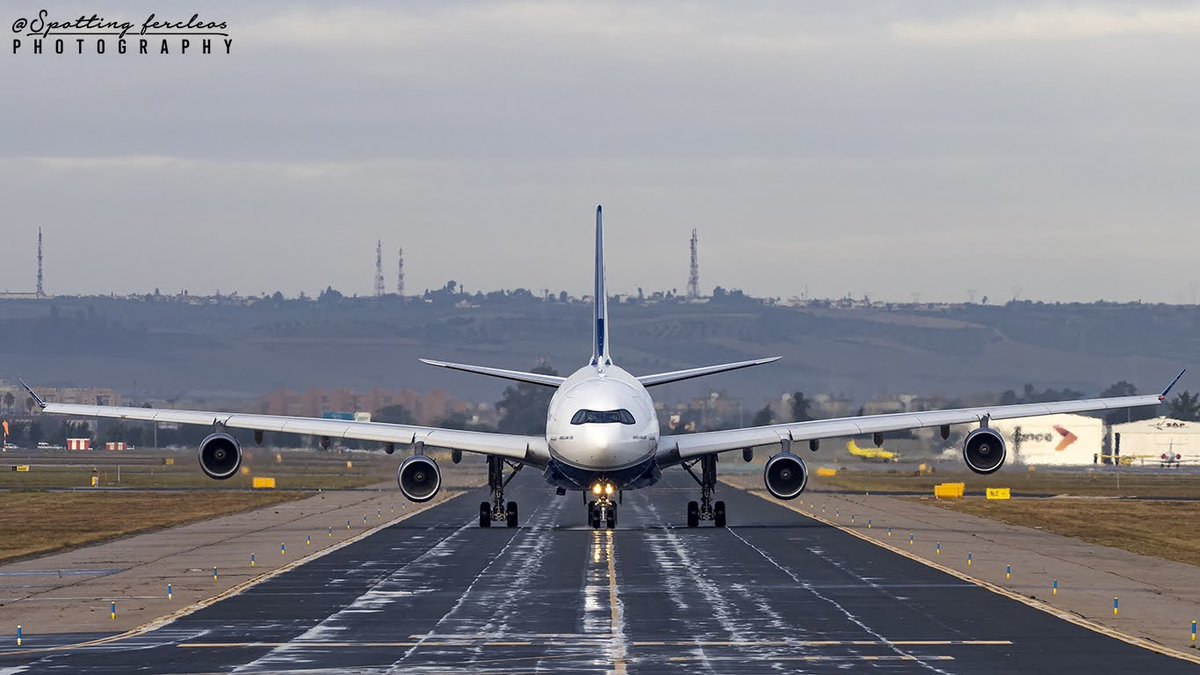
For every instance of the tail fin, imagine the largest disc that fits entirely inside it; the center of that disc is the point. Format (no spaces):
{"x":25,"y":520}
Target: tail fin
{"x":600,"y":355}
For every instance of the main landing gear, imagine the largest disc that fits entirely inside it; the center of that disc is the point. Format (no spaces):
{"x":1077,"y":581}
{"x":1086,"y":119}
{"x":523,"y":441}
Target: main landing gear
{"x":706,"y":508}
{"x":602,"y":511}
{"x":497,"y":510}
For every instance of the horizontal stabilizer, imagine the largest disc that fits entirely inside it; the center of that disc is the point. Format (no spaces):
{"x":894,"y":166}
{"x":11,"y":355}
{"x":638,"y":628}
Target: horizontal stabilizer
{"x":517,"y":375}
{"x":677,"y":375}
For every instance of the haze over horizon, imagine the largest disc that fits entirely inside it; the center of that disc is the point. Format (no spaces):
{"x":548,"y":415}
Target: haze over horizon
{"x":897,"y":151}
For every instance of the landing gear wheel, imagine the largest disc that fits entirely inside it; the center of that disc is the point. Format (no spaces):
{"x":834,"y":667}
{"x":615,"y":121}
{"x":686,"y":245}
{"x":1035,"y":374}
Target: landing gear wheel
{"x":612,"y":517}
{"x":595,"y":518}
{"x":706,"y":508}
{"x":495,"y":510}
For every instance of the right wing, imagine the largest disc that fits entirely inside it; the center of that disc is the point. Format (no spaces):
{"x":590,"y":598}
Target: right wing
{"x":527,"y":449}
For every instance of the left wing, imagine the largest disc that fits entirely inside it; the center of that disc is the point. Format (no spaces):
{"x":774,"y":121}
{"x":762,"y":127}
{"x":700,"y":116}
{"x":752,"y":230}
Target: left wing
{"x":527,"y":449}
{"x":673,"y":449}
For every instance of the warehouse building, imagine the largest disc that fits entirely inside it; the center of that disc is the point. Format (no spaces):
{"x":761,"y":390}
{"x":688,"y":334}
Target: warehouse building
{"x":1160,"y":439}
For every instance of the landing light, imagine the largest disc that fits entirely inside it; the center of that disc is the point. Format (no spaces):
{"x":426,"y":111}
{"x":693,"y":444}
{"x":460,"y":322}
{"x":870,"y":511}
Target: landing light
{"x":603,"y":487}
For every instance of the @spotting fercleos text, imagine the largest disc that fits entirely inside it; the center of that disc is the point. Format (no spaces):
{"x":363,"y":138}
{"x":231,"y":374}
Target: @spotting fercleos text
{"x":99,"y":35}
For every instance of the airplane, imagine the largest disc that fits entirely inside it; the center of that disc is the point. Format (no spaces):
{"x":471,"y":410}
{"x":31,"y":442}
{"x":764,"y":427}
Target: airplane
{"x":872,"y":454}
{"x":602,"y":434}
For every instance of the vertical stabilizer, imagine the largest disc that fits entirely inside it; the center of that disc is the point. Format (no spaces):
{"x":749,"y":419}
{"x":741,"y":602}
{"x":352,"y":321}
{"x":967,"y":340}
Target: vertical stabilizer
{"x":600,"y":355}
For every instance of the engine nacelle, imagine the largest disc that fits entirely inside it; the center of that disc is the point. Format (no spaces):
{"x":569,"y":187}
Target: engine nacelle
{"x":983,"y":451}
{"x":785,"y":476}
{"x":220,"y":456}
{"x":419,"y":478}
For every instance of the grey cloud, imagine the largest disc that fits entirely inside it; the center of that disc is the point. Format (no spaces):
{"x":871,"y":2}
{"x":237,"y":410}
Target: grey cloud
{"x":884,"y":149}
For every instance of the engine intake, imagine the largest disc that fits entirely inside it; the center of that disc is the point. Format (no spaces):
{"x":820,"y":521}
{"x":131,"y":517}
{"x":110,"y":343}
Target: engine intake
{"x":419,"y":478}
{"x":983,"y":451}
{"x":785,"y":476}
{"x":220,"y":456}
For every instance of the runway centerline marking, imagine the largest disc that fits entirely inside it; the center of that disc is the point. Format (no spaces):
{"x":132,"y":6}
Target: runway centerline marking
{"x":614,"y":605}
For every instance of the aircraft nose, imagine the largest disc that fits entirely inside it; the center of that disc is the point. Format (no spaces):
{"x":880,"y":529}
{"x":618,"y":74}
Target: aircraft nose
{"x":601,"y":437}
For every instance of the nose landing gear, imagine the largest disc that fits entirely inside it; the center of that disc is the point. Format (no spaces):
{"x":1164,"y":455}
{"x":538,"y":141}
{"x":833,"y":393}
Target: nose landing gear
{"x":497,"y":510}
{"x":706,"y":508}
{"x":602,"y":511}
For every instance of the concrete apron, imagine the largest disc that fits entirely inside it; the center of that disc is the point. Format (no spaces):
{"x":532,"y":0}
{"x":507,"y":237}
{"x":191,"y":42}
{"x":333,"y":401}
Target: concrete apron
{"x":1158,"y":599}
{"x":73,"y":591}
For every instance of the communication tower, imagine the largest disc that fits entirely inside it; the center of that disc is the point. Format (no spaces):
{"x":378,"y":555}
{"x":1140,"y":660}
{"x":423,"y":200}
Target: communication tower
{"x":400,"y":272}
{"x":379,"y":289}
{"x":693,"y":287}
{"x":41,"y":291}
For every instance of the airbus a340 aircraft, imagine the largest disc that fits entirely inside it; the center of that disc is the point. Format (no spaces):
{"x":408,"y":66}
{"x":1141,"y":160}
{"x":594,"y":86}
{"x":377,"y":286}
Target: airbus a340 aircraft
{"x":602,"y":434}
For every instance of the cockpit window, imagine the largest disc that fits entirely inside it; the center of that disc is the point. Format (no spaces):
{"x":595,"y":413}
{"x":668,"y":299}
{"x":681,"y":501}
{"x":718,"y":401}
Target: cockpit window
{"x":621,"y":416}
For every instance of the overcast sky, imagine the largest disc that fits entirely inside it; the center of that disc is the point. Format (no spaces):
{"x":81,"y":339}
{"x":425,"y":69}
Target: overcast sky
{"x":886,"y":148}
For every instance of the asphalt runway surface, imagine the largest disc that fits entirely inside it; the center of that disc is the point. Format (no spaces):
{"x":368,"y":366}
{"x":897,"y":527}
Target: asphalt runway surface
{"x":773,"y":592}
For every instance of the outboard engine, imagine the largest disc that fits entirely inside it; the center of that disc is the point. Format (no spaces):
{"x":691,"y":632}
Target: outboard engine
{"x":983,"y":451}
{"x":419,"y":478}
{"x":220,"y":456}
{"x":785,"y":476}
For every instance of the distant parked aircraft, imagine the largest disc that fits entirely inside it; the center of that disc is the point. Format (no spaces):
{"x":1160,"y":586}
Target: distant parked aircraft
{"x":872,"y":454}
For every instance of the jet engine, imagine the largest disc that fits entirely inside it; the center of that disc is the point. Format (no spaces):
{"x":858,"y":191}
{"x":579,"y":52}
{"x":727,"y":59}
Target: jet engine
{"x":983,"y":451}
{"x":785,"y":476}
{"x":220,"y":456}
{"x":419,"y":478}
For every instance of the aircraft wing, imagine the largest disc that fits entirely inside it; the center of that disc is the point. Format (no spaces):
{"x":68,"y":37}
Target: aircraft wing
{"x":673,"y":449}
{"x":528,"y":449}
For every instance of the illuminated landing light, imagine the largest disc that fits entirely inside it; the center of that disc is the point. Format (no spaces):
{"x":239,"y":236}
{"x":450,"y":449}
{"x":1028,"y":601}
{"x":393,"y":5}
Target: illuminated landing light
{"x":603,"y":487}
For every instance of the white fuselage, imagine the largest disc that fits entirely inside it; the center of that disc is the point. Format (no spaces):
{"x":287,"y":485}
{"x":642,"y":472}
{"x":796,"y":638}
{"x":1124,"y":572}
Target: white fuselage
{"x":601,"y":446}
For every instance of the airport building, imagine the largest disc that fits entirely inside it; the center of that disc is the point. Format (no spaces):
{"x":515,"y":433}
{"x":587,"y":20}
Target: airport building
{"x":1053,"y":440}
{"x":1160,"y":439}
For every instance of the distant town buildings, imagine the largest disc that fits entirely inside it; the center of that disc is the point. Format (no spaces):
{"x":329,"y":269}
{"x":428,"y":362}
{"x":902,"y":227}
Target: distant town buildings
{"x":14,"y":398}
{"x":426,"y":408}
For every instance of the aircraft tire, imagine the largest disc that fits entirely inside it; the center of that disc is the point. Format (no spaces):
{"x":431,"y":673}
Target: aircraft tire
{"x":511,"y":512}
{"x":485,"y":514}
{"x":719,"y":514}
{"x":693,"y":514}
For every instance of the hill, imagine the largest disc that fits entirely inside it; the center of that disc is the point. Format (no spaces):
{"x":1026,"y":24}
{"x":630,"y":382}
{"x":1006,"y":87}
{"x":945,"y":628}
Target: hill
{"x":225,"y":348}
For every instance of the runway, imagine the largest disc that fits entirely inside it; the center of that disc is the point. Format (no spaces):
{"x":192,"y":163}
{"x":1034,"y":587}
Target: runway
{"x":773,"y":592}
